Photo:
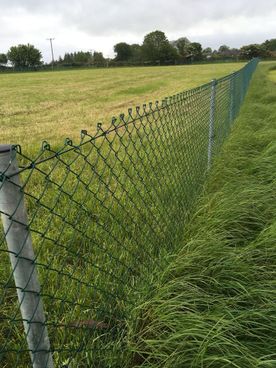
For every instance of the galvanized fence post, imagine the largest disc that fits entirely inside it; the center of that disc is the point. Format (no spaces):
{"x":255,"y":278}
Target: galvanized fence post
{"x":211,"y":122}
{"x":231,"y":107}
{"x":22,"y":258}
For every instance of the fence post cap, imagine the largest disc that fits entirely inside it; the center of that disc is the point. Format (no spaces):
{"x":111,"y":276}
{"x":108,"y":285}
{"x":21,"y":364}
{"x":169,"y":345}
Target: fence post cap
{"x":5,"y":148}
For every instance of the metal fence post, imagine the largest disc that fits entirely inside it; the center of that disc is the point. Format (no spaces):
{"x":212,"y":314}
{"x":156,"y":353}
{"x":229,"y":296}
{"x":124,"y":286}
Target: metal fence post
{"x":231,"y":107}
{"x":211,"y":121}
{"x":22,"y":258}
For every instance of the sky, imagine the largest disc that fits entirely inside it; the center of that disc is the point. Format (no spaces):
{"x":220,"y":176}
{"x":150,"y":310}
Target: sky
{"x":91,"y":25}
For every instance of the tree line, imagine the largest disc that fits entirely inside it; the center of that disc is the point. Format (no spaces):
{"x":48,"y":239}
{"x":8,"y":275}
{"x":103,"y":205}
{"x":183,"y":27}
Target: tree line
{"x":156,"y":49}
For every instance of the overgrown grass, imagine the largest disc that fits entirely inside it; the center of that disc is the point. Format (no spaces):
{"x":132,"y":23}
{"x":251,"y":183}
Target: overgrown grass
{"x":215,"y":304}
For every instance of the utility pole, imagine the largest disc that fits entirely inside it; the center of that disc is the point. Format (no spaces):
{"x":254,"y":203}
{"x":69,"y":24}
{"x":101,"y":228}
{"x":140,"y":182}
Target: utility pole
{"x":52,"y":51}
{"x":92,"y":56}
{"x":107,"y":61}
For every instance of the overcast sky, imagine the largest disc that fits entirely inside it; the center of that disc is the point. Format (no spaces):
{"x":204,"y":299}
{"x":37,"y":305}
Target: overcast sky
{"x":98,"y":25}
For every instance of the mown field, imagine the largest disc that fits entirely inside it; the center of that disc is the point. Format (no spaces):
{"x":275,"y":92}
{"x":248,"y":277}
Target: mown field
{"x":53,"y":106}
{"x":214,"y":306}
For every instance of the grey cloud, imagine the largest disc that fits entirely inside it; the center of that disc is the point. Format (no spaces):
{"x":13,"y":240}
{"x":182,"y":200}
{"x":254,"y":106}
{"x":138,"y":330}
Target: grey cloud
{"x":87,"y":24}
{"x":142,"y":15}
{"x":107,"y":17}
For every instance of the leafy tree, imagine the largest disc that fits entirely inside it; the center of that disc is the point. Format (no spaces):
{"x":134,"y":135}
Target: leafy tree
{"x":77,"y":58}
{"x":235,"y":53}
{"x":68,"y":58}
{"x":136,"y":52}
{"x":207,"y":53}
{"x":82,"y":57}
{"x":270,"y":45}
{"x":253,"y":50}
{"x":195,"y":51}
{"x":187,"y":49}
{"x":123,"y":51}
{"x":24,"y":56}
{"x":182,"y":45}
{"x":224,"y":49}
{"x":156,"y":48}
{"x":3,"y":59}
{"x":98,"y":59}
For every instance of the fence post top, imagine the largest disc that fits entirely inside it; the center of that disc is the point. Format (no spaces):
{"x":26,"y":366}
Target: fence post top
{"x":214,"y":82}
{"x":4,"y":148}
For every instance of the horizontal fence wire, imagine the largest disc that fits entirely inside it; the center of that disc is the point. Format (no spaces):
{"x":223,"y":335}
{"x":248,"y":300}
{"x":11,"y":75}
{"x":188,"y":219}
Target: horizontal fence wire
{"x":102,"y":216}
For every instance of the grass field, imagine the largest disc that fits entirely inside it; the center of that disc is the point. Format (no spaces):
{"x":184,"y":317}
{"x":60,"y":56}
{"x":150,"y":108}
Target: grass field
{"x":272,"y":75}
{"x":215,"y":304}
{"x":53,"y":106}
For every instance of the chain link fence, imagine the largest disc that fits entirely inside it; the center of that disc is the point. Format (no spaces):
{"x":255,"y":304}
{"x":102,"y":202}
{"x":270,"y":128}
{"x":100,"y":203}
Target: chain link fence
{"x":85,"y":227}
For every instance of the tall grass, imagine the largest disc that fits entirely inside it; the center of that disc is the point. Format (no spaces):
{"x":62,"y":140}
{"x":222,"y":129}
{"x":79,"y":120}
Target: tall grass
{"x":215,"y":306}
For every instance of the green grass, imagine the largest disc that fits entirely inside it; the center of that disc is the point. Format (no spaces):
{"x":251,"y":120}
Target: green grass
{"x":214,"y":306}
{"x":53,"y":106}
{"x":272,"y":74}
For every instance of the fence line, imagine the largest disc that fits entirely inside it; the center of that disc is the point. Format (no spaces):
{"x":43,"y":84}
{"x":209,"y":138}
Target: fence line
{"x":102,"y":216}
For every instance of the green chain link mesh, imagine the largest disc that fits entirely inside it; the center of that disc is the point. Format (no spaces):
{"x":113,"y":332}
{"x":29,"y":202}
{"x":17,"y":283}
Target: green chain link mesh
{"x":104,"y":214}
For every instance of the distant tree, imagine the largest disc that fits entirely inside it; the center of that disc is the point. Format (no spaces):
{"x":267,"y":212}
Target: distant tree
{"x":136,"y":52}
{"x":3,"y":59}
{"x":82,"y":57}
{"x":207,"y":53}
{"x":195,"y":51}
{"x":182,"y":44}
{"x":77,"y":58}
{"x":98,"y":59}
{"x":223,"y":49}
{"x":24,"y":56}
{"x":225,"y":52}
{"x":235,"y":53}
{"x":156,"y":48}
{"x":123,"y":51}
{"x":270,"y":45}
{"x":68,"y":58}
{"x":253,"y":50}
